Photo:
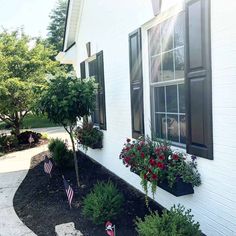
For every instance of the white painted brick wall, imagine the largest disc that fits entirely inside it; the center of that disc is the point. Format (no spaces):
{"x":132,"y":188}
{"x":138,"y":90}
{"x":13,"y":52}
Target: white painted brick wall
{"x":106,"y":24}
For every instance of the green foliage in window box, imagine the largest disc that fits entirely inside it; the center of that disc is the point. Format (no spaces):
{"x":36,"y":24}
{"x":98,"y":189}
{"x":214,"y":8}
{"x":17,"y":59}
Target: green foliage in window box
{"x":103,"y":203}
{"x":177,"y":222}
{"x":62,"y":157}
{"x":155,"y":162}
{"x":89,"y":136}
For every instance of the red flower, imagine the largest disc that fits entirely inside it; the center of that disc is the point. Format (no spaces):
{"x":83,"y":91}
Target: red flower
{"x":128,"y":140}
{"x":154,"y":176}
{"x":175,"y":157}
{"x":145,"y":176}
{"x":139,"y":148}
{"x":127,"y":160}
{"x":142,"y":155}
{"x":162,"y":157}
{"x":160,"y":165}
{"x":152,"y":162}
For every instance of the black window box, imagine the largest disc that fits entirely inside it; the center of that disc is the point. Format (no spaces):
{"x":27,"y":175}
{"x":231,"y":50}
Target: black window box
{"x":97,"y":145}
{"x":179,"y":188}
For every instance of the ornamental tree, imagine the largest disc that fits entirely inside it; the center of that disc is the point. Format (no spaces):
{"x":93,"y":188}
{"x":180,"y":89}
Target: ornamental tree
{"x":65,"y":100}
{"x":23,"y":69}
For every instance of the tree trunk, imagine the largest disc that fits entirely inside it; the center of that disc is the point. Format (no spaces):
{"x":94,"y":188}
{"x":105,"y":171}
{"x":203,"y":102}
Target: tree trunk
{"x":75,"y":158}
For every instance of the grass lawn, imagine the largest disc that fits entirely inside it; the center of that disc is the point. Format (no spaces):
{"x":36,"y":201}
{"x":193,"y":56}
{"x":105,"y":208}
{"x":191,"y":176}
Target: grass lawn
{"x":33,"y":121}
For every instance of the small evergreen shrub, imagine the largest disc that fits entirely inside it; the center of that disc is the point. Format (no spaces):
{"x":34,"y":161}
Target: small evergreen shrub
{"x":62,"y":156}
{"x":7,"y":141}
{"x":103,"y":203}
{"x":177,"y":222}
{"x":23,"y":138}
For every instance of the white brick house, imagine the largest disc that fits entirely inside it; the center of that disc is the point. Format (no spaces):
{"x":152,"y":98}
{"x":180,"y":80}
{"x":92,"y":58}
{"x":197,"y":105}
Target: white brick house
{"x":189,"y":43}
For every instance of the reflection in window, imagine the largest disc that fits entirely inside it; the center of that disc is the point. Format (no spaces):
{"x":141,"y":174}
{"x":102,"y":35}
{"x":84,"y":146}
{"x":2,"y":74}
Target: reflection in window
{"x":166,"y":56}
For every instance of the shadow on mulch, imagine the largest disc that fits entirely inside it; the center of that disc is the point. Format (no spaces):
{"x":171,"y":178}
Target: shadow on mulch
{"x":41,"y":202}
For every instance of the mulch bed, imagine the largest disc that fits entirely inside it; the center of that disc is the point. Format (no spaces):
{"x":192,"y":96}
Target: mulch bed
{"x":41,"y":202}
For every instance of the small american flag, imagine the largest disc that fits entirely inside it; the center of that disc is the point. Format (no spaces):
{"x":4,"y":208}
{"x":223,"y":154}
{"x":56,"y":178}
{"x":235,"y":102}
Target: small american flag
{"x":69,"y":191}
{"x":110,"y":229}
{"x":47,"y":165}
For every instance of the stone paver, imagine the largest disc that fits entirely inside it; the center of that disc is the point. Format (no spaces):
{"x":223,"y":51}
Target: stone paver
{"x":67,"y":229}
{"x":13,"y":169}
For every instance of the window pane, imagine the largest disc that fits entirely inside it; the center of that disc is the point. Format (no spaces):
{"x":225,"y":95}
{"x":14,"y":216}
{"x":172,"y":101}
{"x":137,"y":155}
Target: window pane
{"x":160,"y":126}
{"x":179,"y":31}
{"x":159,"y":94}
{"x":168,"y":66}
{"x":179,"y":63}
{"x":172,"y":128}
{"x":171,"y":98}
{"x":154,"y":40}
{"x":156,"y":69}
{"x":181,"y":98}
{"x":136,"y":108}
{"x":167,"y":35}
{"x":92,"y":68}
{"x":182,"y":129}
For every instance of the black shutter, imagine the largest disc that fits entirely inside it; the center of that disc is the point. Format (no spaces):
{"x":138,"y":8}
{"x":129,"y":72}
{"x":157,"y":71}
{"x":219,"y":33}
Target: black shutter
{"x":136,"y":83}
{"x":82,"y":70}
{"x":198,"y":79}
{"x":101,"y":90}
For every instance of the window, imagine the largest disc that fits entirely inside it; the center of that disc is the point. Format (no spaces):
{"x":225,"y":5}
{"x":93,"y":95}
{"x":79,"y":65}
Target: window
{"x":166,"y":61}
{"x":93,"y":66}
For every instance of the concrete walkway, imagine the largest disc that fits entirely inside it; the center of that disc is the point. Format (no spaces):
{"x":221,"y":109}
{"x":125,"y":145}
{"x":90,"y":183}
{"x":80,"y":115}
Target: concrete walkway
{"x":13,"y":169}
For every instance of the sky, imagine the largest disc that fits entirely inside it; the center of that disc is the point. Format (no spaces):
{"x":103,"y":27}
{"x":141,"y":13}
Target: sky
{"x":33,"y":15}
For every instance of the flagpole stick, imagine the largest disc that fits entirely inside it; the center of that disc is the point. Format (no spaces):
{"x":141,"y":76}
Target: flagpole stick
{"x":114,"y":230}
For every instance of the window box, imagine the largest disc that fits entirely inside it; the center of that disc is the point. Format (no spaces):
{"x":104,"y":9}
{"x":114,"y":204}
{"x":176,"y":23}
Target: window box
{"x":97,"y":145}
{"x":179,"y":188}
{"x":89,"y":136}
{"x":158,"y":165}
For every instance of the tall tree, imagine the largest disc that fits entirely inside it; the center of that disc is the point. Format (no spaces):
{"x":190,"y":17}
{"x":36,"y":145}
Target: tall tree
{"x":57,"y":25}
{"x":24,"y":69}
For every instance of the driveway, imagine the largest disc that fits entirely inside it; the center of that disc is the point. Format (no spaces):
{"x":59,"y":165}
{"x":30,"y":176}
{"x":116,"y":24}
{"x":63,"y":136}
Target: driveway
{"x":13,"y":169}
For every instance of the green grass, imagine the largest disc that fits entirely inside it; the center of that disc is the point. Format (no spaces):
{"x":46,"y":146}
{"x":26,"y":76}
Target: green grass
{"x":33,"y":121}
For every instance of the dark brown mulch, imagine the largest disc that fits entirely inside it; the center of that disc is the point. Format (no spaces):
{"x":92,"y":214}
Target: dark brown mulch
{"x":41,"y":203}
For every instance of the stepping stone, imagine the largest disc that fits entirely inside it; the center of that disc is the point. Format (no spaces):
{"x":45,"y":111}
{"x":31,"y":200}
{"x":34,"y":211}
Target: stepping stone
{"x":67,"y":229}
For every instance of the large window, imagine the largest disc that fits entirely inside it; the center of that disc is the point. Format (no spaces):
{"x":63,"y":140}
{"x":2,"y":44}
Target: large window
{"x":166,"y":57}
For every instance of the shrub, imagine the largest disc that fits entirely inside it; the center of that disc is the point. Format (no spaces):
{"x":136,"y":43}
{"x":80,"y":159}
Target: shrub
{"x":62,"y":157}
{"x":89,"y":136}
{"x":7,"y":141}
{"x":176,"y":222}
{"x":103,"y":203}
{"x":44,"y":136}
{"x":23,"y":137}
